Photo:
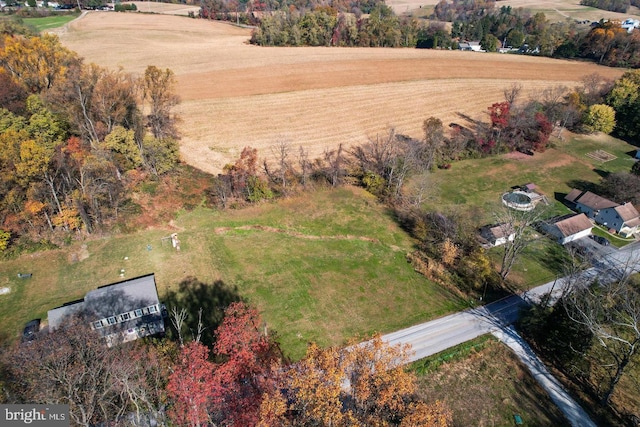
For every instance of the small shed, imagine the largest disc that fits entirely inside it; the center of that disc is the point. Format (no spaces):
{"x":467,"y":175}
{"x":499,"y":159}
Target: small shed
{"x":497,"y":234}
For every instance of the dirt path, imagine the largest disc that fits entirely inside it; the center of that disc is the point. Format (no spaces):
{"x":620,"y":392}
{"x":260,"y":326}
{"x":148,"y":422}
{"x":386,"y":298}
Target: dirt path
{"x":223,"y":230}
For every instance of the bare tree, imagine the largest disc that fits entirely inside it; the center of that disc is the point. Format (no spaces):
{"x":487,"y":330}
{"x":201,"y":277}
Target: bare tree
{"x":611,"y":312}
{"x":281,"y":152}
{"x":517,"y":224}
{"x":512,"y":93}
{"x":305,"y":166}
{"x":418,"y":191}
{"x":73,"y":366}
{"x":434,"y":139}
{"x":178,"y":318}
{"x":335,"y":168}
{"x":552,"y":100}
{"x":594,"y":87}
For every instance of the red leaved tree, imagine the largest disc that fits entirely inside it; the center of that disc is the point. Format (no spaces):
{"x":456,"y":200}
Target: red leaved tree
{"x":248,"y":356}
{"x":191,"y":386}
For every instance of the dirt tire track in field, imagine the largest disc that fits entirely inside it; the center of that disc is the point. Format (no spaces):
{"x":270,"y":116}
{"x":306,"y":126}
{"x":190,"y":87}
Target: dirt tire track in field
{"x":224,"y":230}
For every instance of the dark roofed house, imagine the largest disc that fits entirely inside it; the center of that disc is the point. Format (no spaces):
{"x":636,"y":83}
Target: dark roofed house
{"x":623,"y":219}
{"x":569,"y":227}
{"x":119,"y":312}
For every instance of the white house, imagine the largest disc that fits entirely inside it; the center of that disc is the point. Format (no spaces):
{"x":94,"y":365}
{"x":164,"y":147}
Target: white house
{"x":470,"y":46}
{"x":496,"y":235}
{"x":569,"y":228}
{"x":622,"y":219}
{"x":630,"y":24}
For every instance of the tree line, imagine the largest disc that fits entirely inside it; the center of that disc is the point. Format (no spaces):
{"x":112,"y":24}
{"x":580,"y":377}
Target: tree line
{"x":335,"y":25}
{"x":620,"y":6}
{"x":325,"y":26}
{"x":241,"y":380}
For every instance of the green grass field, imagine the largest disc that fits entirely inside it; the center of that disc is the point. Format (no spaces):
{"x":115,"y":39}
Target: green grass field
{"x":325,"y":267}
{"x":50,"y":22}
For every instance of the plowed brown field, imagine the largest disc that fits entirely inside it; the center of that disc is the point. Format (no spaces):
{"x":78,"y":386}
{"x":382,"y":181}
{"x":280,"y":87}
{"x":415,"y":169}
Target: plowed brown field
{"x":236,"y":95}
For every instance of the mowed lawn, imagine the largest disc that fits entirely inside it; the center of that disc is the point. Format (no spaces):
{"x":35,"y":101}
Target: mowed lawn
{"x":50,"y":22}
{"x":479,"y":183}
{"x":326,"y":266}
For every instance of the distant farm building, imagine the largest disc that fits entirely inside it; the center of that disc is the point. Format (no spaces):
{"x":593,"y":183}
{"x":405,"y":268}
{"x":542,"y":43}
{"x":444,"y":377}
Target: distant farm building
{"x":470,"y":46}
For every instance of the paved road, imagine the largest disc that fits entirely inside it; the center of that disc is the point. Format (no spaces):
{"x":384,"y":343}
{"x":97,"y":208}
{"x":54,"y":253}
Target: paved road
{"x":433,"y":337}
{"x":569,"y":407}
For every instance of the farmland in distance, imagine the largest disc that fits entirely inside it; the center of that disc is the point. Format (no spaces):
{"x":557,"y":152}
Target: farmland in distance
{"x":236,"y":95}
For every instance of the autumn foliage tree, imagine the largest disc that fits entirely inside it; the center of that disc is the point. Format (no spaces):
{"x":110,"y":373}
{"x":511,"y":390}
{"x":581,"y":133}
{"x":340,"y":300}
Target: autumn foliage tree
{"x":70,"y":134}
{"x":191,"y":386}
{"x":36,"y":63}
{"x":364,"y":384}
{"x":247,"y":355}
{"x":524,"y":128}
{"x":227,"y":387}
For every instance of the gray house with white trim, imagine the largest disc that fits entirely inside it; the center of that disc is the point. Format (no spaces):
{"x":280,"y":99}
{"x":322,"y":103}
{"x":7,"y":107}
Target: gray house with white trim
{"x":622,"y":219}
{"x":119,"y":312}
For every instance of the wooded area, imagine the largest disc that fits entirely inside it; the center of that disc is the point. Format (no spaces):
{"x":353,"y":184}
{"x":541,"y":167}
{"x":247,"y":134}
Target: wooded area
{"x":311,"y":25}
{"x":75,"y":137}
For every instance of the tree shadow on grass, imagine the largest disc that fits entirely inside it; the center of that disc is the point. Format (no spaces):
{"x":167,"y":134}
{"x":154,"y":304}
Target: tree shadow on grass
{"x":193,"y":295}
{"x":584,"y":185}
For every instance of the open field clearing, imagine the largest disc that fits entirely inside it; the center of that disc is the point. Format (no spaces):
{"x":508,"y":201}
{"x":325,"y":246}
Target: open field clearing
{"x":166,"y":8}
{"x":554,"y":10}
{"x":235,"y":94}
{"x":325,"y":266}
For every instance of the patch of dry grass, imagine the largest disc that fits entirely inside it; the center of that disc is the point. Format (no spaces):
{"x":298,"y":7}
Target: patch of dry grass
{"x":554,"y":10}
{"x":487,"y":387}
{"x":236,"y":95}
